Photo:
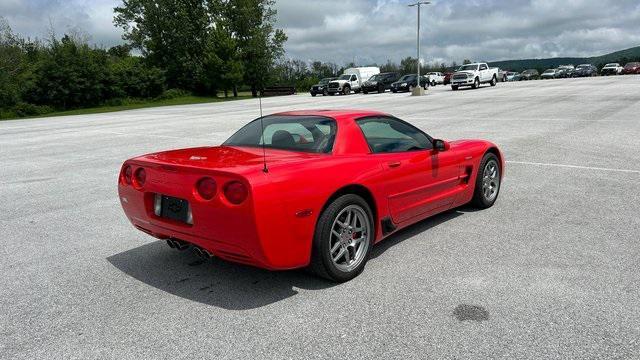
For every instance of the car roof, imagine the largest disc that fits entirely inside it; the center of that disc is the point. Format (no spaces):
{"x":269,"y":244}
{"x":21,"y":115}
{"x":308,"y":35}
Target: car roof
{"x":337,"y":114}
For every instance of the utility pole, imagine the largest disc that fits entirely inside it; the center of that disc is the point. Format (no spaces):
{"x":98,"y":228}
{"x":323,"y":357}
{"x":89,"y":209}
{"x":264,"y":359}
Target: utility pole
{"x":418,"y":90}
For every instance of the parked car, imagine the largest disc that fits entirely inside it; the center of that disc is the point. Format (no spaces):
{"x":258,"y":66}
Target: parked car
{"x":550,"y":74}
{"x":530,"y":74}
{"x":447,"y":78}
{"x":408,"y":82}
{"x":511,"y":76}
{"x":259,"y":199}
{"x":380,"y":82}
{"x":473,"y":75}
{"x":321,"y":87}
{"x":631,"y":68}
{"x":565,"y":71}
{"x":612,"y":69}
{"x":502,"y":75}
{"x":351,"y":80}
{"x":585,"y":70}
{"x":435,"y":78}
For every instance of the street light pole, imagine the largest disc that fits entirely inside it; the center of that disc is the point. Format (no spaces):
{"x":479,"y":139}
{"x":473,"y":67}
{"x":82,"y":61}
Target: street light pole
{"x":419,"y":4}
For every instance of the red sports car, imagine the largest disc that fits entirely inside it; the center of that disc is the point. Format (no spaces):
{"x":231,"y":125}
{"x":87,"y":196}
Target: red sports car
{"x":310,"y":189}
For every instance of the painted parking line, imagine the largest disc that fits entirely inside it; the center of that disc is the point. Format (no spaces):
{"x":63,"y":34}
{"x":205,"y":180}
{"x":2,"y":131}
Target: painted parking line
{"x":573,"y":166}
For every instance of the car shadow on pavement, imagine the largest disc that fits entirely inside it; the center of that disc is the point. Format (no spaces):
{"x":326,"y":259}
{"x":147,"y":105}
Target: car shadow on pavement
{"x":215,"y":282}
{"x":233,"y":286}
{"x":415,"y":229}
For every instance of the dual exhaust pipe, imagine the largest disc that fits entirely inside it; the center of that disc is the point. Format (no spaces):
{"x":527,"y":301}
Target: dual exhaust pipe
{"x":183,"y":245}
{"x":178,"y":244}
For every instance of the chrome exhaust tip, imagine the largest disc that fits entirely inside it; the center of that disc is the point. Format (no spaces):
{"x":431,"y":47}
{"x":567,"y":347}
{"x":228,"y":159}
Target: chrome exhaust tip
{"x":202,"y":253}
{"x":181,"y":245}
{"x":171,"y":244}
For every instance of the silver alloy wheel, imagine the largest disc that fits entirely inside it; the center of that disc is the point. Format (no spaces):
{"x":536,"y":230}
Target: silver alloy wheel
{"x":349,"y":240}
{"x":490,"y":180}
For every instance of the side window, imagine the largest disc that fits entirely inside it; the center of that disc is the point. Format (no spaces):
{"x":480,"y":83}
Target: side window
{"x":483,"y":67}
{"x":353,"y":78}
{"x":388,"y":135}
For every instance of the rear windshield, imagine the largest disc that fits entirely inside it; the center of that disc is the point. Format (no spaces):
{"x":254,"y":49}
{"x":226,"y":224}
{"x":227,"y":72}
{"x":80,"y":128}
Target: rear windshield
{"x":296,"y":133}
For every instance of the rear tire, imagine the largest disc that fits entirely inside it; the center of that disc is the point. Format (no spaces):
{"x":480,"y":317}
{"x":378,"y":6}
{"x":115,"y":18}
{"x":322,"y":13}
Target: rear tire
{"x":488,"y":181}
{"x":494,"y":81}
{"x":348,"y":257}
{"x":433,"y":83}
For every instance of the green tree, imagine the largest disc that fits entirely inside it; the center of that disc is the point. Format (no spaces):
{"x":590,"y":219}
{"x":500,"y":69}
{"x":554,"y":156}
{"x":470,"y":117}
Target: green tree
{"x":170,"y":34}
{"x":252,"y":25}
{"x":70,"y":74}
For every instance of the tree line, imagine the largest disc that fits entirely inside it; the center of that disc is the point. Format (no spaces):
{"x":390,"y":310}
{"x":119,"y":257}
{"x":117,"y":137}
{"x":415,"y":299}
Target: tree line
{"x":172,"y":48}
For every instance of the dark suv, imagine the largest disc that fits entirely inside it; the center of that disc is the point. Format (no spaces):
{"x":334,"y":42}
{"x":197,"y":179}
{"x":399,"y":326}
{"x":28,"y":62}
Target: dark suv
{"x":321,"y":87}
{"x":407,"y":82}
{"x":585,"y":70}
{"x":380,"y":82}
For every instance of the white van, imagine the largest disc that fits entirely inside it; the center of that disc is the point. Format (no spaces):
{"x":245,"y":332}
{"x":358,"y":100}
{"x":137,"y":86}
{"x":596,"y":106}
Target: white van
{"x":351,"y":80}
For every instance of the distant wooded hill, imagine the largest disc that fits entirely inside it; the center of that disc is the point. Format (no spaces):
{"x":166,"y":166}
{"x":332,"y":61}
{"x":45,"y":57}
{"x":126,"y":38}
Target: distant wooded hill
{"x":622,"y":57}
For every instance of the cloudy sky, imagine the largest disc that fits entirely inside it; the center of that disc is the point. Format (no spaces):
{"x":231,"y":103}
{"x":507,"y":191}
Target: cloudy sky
{"x":370,"y":31}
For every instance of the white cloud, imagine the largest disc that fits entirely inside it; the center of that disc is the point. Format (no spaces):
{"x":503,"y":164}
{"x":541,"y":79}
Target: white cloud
{"x":377,"y":30}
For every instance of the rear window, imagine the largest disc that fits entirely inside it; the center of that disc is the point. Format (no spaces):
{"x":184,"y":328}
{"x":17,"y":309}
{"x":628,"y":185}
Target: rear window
{"x":314,"y":134}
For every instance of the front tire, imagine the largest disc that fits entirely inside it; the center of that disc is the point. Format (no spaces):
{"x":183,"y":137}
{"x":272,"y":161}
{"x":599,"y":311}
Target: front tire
{"x":454,"y":87}
{"x":343,"y":239}
{"x":346,"y":90}
{"x":476,"y":83}
{"x":313,"y":94}
{"x":488,"y":181}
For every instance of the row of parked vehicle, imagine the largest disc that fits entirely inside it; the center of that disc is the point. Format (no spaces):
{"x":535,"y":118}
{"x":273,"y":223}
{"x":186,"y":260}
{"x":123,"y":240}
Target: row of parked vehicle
{"x":369,"y":79}
{"x":570,"y":71}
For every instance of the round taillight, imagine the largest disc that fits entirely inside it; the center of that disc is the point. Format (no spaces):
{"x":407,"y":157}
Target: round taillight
{"x":127,"y":174}
{"x":235,"y":192}
{"x":206,"y":188}
{"x":141,"y":176}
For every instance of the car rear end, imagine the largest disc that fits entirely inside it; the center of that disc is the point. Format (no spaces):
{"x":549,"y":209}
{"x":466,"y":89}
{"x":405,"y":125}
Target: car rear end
{"x":211,"y":209}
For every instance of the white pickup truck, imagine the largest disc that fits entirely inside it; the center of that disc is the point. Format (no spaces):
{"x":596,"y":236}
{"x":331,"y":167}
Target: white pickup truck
{"x":473,"y":75}
{"x":351,"y":79}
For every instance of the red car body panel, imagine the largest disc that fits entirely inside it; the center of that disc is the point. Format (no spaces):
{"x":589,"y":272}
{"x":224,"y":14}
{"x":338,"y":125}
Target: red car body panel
{"x":274,"y":227}
{"x":631,"y":68}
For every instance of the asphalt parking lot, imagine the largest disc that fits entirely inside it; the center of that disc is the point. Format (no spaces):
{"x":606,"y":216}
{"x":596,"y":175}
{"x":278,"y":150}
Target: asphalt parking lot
{"x":551,"y":271}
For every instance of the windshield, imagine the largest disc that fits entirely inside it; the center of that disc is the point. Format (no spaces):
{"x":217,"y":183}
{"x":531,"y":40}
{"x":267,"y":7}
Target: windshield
{"x":345,"y":77}
{"x":325,"y":81}
{"x":375,"y":78}
{"x":296,"y":133}
{"x":582,"y":66}
{"x":550,"y":71}
{"x":611,"y":65}
{"x":468,"y":67}
{"x":407,"y":77}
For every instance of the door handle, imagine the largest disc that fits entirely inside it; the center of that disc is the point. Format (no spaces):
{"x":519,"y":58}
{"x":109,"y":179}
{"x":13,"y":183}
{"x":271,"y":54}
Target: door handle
{"x":394,"y":164}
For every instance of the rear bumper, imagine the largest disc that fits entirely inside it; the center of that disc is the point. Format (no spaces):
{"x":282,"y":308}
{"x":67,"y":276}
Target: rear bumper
{"x":249,"y":233}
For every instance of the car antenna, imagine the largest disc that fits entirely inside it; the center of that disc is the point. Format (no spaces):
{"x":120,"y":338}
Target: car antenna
{"x":264,"y":151}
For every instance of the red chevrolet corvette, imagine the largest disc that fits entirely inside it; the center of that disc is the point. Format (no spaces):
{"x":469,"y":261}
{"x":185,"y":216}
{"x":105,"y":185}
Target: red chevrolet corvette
{"x":310,"y":189}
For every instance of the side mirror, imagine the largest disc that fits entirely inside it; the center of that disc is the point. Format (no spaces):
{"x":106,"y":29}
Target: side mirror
{"x":440,"y":145}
